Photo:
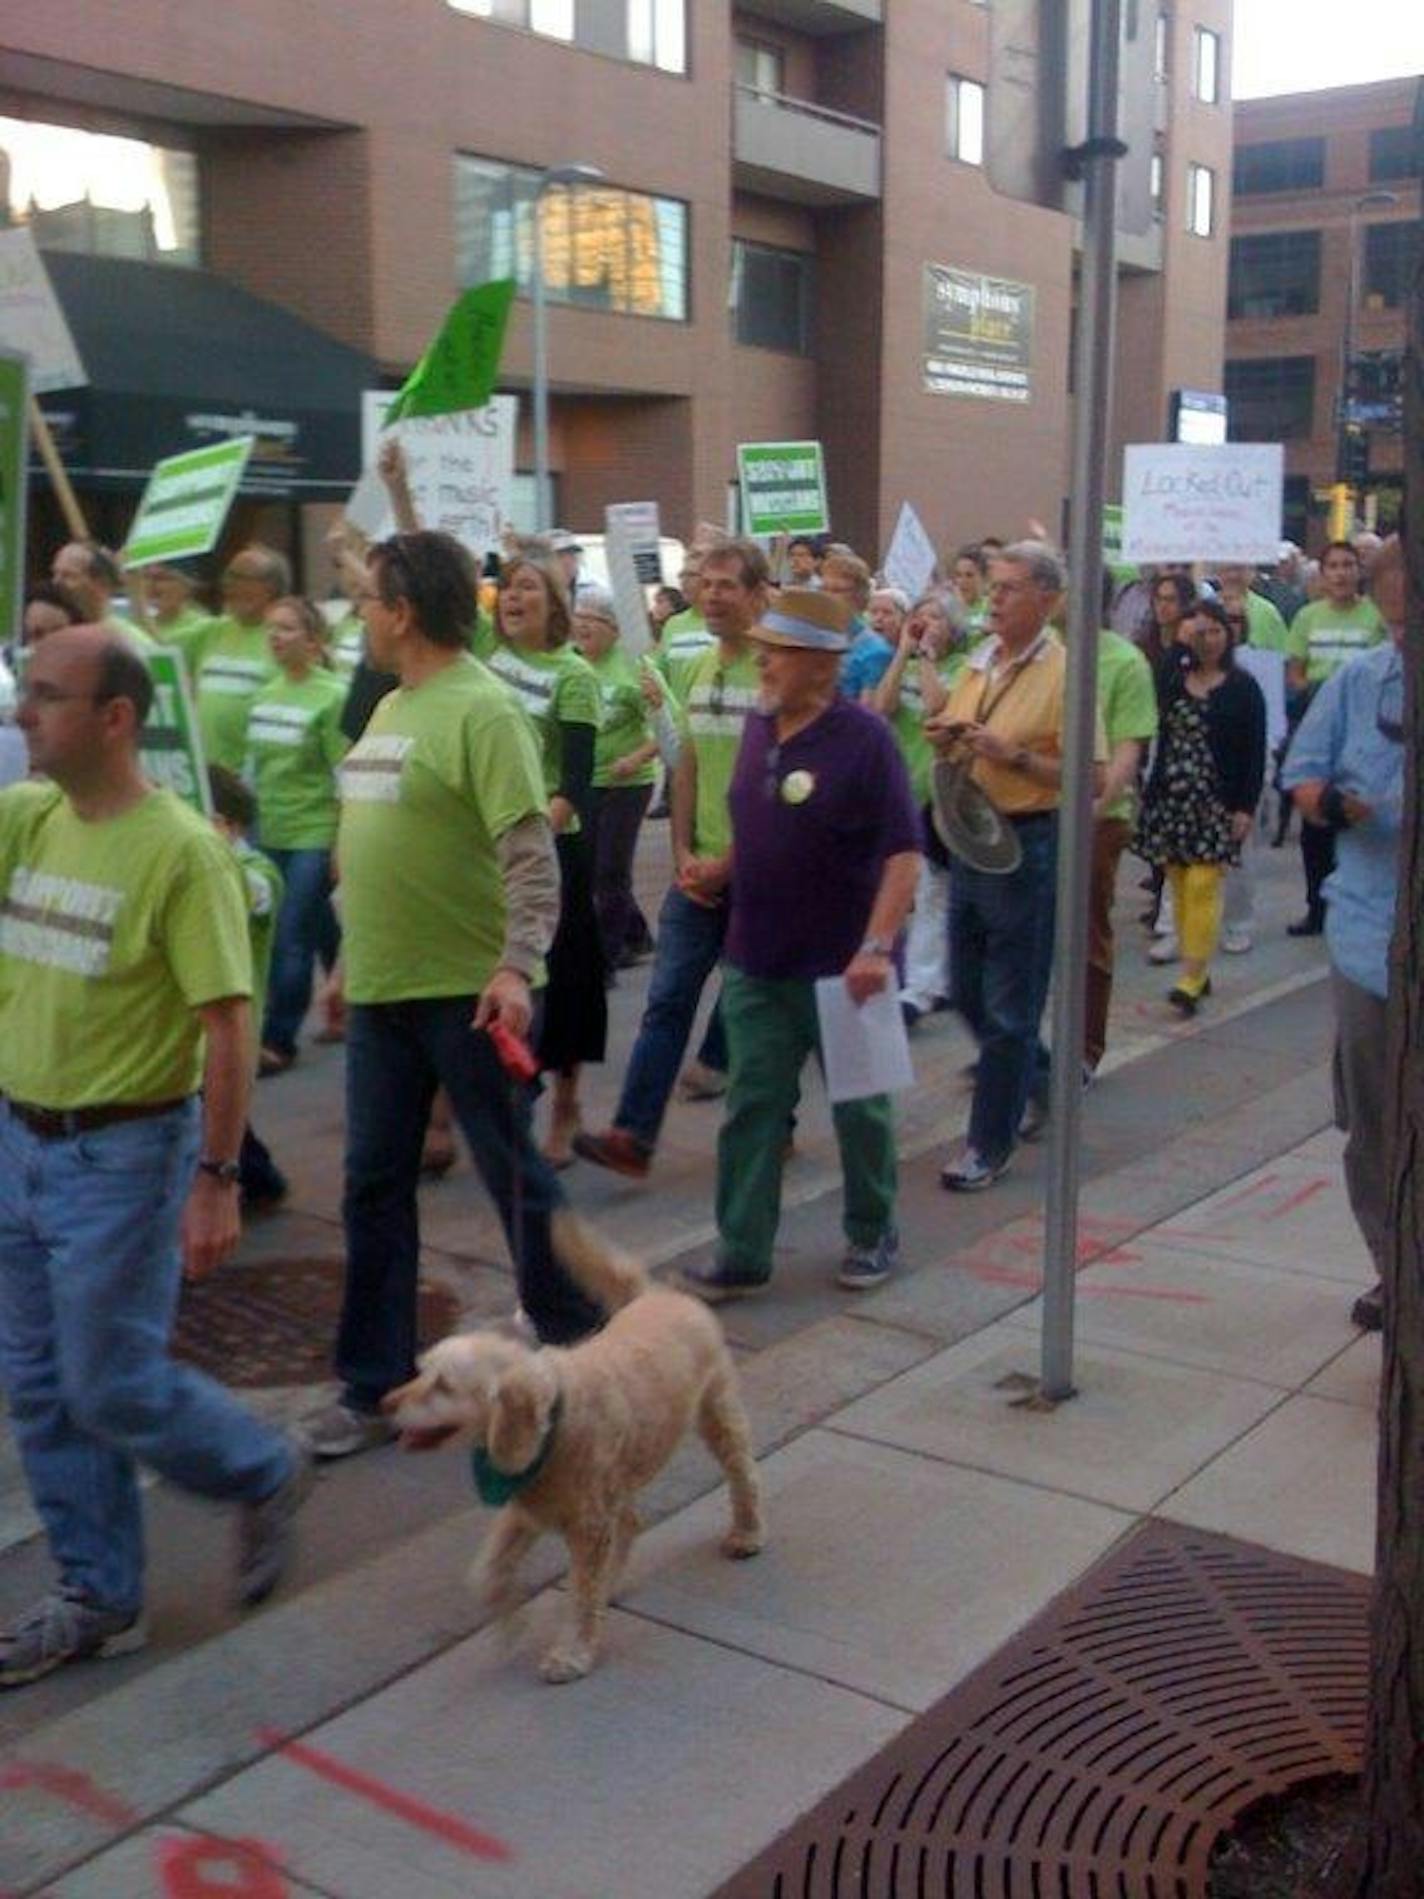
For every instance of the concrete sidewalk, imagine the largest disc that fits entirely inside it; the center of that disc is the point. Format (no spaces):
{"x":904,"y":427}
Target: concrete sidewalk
{"x":912,"y":1532}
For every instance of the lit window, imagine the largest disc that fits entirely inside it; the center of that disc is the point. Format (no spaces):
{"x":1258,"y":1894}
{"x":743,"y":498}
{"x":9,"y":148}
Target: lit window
{"x":101,"y":195}
{"x":1161,"y":37}
{"x":1156,"y":176}
{"x":964,"y":120}
{"x":1206,"y":67}
{"x":648,"y":32}
{"x":1201,"y":182}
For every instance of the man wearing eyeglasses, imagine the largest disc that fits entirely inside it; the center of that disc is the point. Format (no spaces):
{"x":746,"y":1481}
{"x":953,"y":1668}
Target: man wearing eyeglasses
{"x":125,"y":978}
{"x":1346,"y":768}
{"x":231,"y":659}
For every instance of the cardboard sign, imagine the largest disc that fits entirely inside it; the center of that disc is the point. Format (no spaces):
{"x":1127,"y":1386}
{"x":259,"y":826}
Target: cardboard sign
{"x":783,"y":487}
{"x":461,"y":470}
{"x":637,"y":522}
{"x":910,"y":557}
{"x":186,"y":503}
{"x":31,"y":318}
{"x":625,"y":583}
{"x":170,"y":749}
{"x":14,"y":449}
{"x":1181,"y":502}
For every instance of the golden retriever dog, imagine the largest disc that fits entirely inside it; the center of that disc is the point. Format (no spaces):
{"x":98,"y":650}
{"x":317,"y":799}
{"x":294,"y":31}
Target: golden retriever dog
{"x":574,"y":1432}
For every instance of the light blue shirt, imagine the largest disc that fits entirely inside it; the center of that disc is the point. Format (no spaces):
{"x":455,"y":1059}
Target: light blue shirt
{"x":1339,"y":741}
{"x":867,"y":661}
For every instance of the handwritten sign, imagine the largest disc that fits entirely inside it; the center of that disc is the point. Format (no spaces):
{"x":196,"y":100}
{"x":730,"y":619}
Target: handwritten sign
{"x":1182,"y":502}
{"x":910,"y":557}
{"x":461,"y":468}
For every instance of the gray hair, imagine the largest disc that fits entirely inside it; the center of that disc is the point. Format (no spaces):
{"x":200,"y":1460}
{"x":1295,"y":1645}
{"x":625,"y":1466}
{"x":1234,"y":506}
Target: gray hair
{"x":597,"y":602}
{"x":944,"y":600}
{"x":1044,"y":564}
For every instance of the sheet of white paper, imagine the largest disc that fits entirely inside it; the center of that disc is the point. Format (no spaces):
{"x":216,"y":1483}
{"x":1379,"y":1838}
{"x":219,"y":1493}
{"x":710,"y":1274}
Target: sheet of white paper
{"x":865,"y":1050}
{"x":910,"y":557}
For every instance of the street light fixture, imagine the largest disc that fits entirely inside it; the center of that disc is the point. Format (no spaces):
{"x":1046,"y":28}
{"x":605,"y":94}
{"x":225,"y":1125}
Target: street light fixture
{"x":1368,"y":201}
{"x":572,"y":175}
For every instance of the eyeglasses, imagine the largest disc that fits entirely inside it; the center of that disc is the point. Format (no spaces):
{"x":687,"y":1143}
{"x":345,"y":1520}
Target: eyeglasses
{"x":39,"y":693}
{"x":1389,"y":710}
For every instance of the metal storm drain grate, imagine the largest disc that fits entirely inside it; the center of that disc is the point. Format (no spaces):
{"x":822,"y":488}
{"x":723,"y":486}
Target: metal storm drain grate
{"x":275,"y":1323}
{"x":1101,"y":1753}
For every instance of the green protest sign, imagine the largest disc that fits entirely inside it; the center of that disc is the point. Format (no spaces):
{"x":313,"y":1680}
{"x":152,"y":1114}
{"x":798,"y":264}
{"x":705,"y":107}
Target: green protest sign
{"x":170,"y":748}
{"x":783,"y":487}
{"x":186,"y":502}
{"x":14,"y":445}
{"x":459,"y":368}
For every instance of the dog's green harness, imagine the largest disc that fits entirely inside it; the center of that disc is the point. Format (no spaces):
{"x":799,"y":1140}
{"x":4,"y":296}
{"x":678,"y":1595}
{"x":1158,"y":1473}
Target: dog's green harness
{"x":497,"y":1487}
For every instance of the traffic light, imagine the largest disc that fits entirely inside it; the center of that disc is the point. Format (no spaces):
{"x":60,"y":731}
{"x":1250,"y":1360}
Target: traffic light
{"x":1355,"y":456}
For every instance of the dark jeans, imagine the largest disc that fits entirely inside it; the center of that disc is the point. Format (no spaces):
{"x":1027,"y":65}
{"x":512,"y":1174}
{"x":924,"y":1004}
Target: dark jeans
{"x":1317,"y":856}
{"x":1000,"y":959}
{"x":690,"y":937}
{"x":306,"y":929}
{"x":396,"y":1053}
{"x":617,"y":815}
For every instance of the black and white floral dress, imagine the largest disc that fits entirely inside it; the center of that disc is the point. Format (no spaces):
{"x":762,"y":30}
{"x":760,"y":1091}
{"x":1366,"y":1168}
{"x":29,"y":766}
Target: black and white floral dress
{"x":1184,"y":816}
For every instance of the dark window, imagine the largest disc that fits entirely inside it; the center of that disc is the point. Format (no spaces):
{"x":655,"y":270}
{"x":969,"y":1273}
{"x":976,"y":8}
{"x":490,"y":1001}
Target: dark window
{"x":1281,"y":164}
{"x":771,"y":297}
{"x":1395,"y":153}
{"x":1275,"y":274}
{"x":1391,"y":258}
{"x":1295,"y":508}
{"x":1270,"y":398}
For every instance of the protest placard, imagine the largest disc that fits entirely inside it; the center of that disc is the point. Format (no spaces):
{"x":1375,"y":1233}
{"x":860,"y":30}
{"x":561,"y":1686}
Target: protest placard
{"x":32,"y":320}
{"x":910,"y":557}
{"x":625,"y":583}
{"x":186,"y":503}
{"x":458,"y":370}
{"x":14,"y":448}
{"x":1182,"y":502}
{"x":638,"y":523}
{"x":170,"y":748}
{"x":783,"y":487}
{"x":460,"y":467}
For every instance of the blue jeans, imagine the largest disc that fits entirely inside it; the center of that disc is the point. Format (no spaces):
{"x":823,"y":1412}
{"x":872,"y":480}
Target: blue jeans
{"x":89,"y":1273}
{"x":1001,"y":958}
{"x":690,"y":937}
{"x":306,"y":929}
{"x":396,"y":1053}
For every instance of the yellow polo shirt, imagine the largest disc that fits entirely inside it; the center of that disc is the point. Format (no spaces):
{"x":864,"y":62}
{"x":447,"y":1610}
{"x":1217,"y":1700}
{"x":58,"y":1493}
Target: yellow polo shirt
{"x":1022,"y":703}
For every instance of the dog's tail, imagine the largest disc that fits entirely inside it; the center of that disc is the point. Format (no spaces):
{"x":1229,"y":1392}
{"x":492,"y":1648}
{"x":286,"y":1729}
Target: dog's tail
{"x":610,"y":1277}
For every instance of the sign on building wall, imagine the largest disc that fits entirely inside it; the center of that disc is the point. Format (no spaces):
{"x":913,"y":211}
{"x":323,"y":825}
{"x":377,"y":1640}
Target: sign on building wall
{"x":461,"y":469}
{"x":186,"y":502}
{"x":1184,"y":503}
{"x":978,"y":335}
{"x":783,"y":488}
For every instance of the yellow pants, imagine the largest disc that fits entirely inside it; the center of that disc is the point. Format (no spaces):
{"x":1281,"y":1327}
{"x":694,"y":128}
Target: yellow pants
{"x":1196,"y":906}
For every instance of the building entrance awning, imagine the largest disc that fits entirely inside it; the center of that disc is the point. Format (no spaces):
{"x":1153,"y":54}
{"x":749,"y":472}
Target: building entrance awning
{"x":177,"y":358}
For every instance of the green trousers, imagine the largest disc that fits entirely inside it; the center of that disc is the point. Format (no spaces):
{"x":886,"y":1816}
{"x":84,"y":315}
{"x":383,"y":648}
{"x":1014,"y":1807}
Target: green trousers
{"x":771,"y":1029}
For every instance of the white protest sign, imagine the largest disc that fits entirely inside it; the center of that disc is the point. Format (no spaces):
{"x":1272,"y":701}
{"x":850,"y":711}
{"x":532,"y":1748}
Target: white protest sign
{"x":31,"y":319}
{"x":460,"y":467}
{"x":638,"y":523}
{"x":1268,"y":669}
{"x":910,"y":557}
{"x":1182,"y":502}
{"x":630,"y":606}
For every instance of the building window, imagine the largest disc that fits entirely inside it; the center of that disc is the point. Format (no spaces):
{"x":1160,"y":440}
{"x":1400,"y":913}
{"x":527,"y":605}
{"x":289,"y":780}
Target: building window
{"x":603,"y":248}
{"x":1391,"y":258}
{"x":1201,"y":191}
{"x":102,"y":195}
{"x":648,"y":32}
{"x":1157,"y":182}
{"x":1271,"y":398}
{"x":760,"y":68}
{"x":771,"y":297}
{"x":1279,"y":164}
{"x":1275,"y":274}
{"x":1395,"y":153}
{"x":964,"y":120}
{"x":1206,"y":66}
{"x":1161,"y":45}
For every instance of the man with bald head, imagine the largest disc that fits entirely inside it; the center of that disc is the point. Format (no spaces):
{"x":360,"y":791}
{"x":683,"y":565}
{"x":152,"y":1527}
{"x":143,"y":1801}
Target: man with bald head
{"x":230,"y":659}
{"x":89,"y":576}
{"x":125,"y":979}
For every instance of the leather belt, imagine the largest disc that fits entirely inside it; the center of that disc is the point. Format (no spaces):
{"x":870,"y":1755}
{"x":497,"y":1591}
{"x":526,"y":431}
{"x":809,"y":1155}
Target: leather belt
{"x":62,"y":1124}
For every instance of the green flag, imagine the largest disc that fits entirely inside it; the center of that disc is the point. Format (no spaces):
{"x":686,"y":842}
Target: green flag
{"x":459,"y":368}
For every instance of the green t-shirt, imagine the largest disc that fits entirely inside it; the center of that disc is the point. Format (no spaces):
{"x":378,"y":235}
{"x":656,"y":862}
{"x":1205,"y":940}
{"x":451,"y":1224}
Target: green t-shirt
{"x":112,"y":934}
{"x":1127,"y":701}
{"x":1264,"y":626}
{"x":294,"y":742}
{"x":555,"y":688}
{"x":442,"y":771}
{"x":186,"y":630}
{"x":624,"y":724}
{"x":685,"y":639}
{"x":233,"y":664}
{"x":908,"y":722}
{"x":262,"y":886}
{"x":1324,"y":636}
{"x":719,"y":696}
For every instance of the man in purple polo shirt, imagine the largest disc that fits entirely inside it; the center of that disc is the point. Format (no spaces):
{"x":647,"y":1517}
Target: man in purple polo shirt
{"x":825,"y":856}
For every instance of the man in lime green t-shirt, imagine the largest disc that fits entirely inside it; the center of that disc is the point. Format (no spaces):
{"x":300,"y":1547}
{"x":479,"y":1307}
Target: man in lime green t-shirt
{"x":232,"y":661}
{"x":175,"y":618}
{"x":90,"y":578}
{"x":721,"y":689}
{"x":1127,"y":703}
{"x":450,"y":896}
{"x":124,"y":983}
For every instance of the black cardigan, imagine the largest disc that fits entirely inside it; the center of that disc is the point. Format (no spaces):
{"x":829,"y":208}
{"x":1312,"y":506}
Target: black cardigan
{"x":1235,"y":730}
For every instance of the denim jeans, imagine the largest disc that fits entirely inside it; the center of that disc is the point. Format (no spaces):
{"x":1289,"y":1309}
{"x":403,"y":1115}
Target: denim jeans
{"x":306,"y":929}
{"x":1000,"y":959}
{"x":89,"y":1274}
{"x":396,"y":1053}
{"x":690,"y":937}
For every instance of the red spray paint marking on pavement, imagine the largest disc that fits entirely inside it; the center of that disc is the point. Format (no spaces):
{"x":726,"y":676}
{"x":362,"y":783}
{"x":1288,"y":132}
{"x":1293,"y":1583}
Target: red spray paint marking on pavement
{"x":1298,"y":1198}
{"x":444,"y":1826}
{"x":204,"y":1868}
{"x":73,"y":1788}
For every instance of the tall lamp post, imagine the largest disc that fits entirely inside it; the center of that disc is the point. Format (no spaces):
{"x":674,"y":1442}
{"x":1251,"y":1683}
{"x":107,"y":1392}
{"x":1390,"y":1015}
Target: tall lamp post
{"x":1368,"y":201}
{"x":555,"y":175}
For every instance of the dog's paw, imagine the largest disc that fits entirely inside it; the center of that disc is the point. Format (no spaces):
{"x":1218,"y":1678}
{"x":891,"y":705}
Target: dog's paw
{"x":566,"y":1661}
{"x":742,"y":1543}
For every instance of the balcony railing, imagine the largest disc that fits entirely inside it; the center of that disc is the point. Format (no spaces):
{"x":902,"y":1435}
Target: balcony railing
{"x":790,"y":148}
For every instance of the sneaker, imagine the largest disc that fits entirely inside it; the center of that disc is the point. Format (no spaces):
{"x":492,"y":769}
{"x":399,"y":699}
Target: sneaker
{"x":1368,"y":1310}
{"x":617,"y":1150}
{"x":66,"y":1627}
{"x":971,"y":1173}
{"x":1236,"y":939}
{"x":716,"y":1283}
{"x":342,"y":1430}
{"x":910,"y":1013}
{"x":266,"y":1531}
{"x":701,"y":1083}
{"x":865,"y":1267}
{"x":1311,"y":924}
{"x":1035,"y":1119}
{"x":1164,"y":950}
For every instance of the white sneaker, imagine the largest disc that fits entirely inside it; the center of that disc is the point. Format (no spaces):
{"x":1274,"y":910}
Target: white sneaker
{"x":1236,"y":939}
{"x":1163,"y":950}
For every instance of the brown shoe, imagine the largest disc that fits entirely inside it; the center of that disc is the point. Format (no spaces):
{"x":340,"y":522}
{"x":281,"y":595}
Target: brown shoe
{"x":617,"y":1150}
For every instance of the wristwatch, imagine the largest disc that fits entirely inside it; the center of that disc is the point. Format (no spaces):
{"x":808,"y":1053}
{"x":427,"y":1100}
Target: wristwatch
{"x":228,"y":1172}
{"x":874,"y":946}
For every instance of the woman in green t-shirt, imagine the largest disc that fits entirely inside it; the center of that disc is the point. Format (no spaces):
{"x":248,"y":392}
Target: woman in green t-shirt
{"x":623,"y":772}
{"x":531,"y":652}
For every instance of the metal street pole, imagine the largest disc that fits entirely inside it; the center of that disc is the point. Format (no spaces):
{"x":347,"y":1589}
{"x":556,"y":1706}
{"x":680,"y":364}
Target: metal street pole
{"x":571,"y":175}
{"x":1097,"y":300}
